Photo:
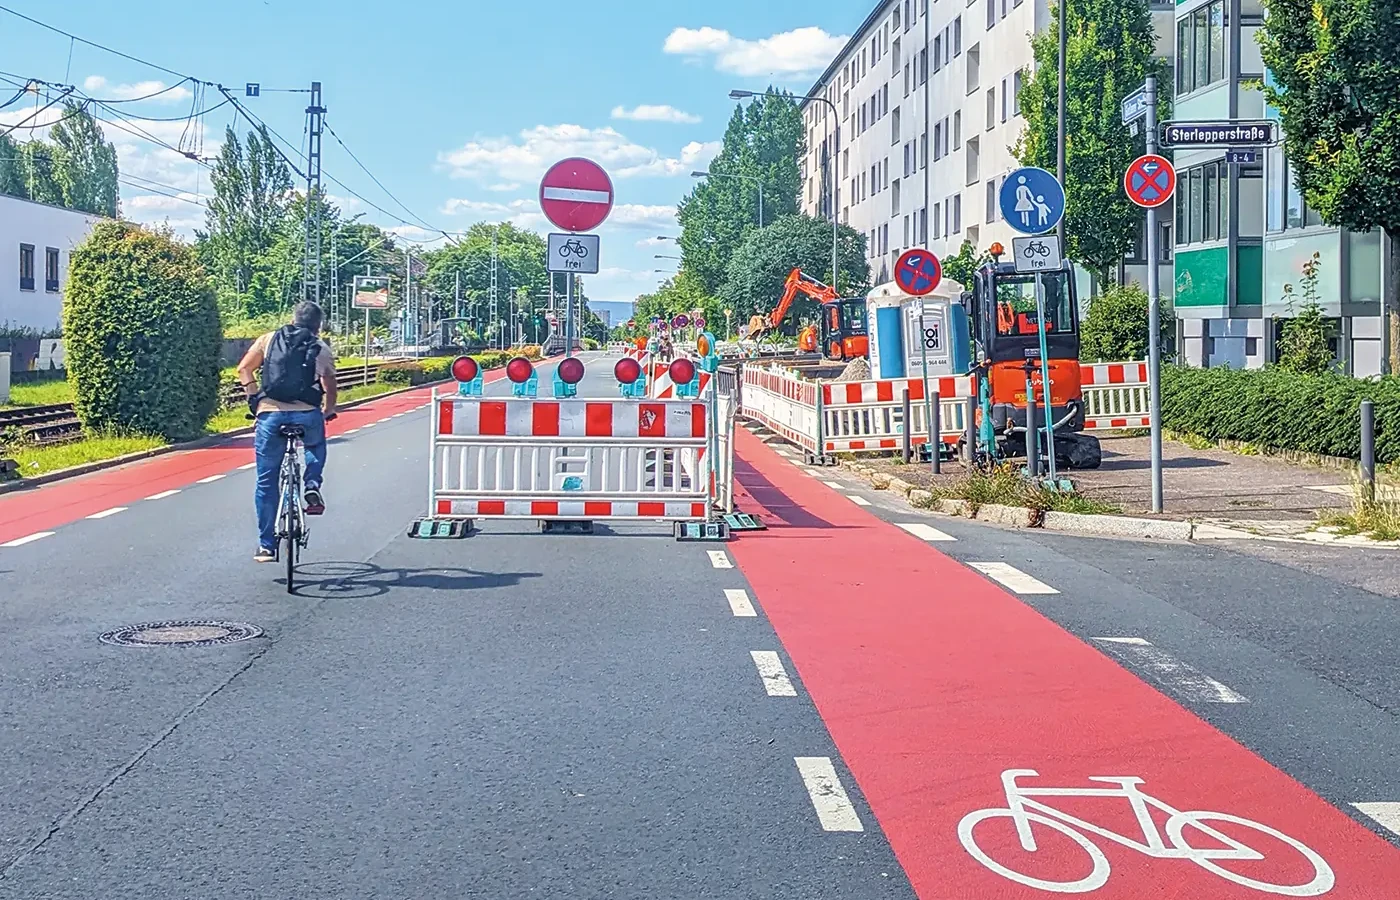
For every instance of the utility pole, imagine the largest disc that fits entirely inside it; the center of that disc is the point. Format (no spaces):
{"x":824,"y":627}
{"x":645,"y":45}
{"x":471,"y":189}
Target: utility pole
{"x":457,"y":294}
{"x":1154,"y":351}
{"x":335,"y":283}
{"x":408,"y":296}
{"x":311,"y":268}
{"x":493,"y":319}
{"x":1060,"y":114}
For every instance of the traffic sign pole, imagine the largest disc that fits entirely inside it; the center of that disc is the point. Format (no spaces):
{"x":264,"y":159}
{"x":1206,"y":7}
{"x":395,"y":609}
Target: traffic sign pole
{"x":1154,"y":350}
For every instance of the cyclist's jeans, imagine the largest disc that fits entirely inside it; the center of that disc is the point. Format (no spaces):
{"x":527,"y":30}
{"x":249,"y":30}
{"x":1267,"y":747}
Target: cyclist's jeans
{"x":269,"y":446}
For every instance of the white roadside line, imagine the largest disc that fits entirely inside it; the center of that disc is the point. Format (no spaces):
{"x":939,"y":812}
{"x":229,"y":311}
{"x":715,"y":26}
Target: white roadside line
{"x":858,"y":501}
{"x":771,"y":671}
{"x":163,"y":494}
{"x":213,"y":478}
{"x":353,"y":430}
{"x":925,"y":532}
{"x":246,"y":466}
{"x":835,"y":485}
{"x":739,"y":602}
{"x":107,"y":512}
{"x":720,"y":560}
{"x":1012,"y":578}
{"x":834,"y":809}
{"x":1182,"y":679}
{"x":1387,"y":815}
{"x":28,"y":539}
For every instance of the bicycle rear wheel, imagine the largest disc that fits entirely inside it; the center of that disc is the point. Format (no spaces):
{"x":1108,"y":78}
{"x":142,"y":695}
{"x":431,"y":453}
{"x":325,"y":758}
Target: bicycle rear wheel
{"x":291,"y":550}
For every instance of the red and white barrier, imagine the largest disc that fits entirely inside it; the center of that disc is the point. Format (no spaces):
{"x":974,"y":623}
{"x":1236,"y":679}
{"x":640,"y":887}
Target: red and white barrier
{"x":1116,"y":396}
{"x":567,"y":459}
{"x":663,"y":388}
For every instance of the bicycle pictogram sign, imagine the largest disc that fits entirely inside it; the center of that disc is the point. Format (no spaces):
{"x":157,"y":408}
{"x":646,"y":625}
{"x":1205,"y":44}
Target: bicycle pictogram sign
{"x":574,"y":247}
{"x":1188,"y":836}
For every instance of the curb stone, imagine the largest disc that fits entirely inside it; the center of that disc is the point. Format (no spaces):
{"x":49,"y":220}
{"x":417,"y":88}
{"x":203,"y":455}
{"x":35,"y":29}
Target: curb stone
{"x":197,"y":444}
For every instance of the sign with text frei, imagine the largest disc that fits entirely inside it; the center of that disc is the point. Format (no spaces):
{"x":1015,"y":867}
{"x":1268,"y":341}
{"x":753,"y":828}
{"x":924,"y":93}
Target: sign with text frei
{"x":371,"y":292}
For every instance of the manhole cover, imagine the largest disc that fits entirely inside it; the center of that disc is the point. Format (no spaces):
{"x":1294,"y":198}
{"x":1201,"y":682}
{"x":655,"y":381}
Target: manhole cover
{"x":181,"y":634}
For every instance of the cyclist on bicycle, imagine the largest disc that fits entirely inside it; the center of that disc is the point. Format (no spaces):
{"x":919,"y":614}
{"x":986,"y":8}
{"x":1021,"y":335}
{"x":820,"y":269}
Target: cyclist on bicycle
{"x":298,"y":381}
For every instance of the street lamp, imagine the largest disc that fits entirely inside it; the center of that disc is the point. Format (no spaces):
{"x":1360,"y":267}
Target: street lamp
{"x":835,"y":164}
{"x":741,"y":177}
{"x":664,"y":256}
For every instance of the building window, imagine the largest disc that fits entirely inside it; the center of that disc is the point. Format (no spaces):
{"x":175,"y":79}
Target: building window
{"x":51,"y":269}
{"x":1203,"y":206}
{"x":906,"y":231}
{"x":974,"y":68}
{"x":937,"y":221}
{"x":923,"y":66}
{"x":1003,"y":99}
{"x":957,"y":213}
{"x":991,"y":107}
{"x":937,"y":52}
{"x":26,"y":267}
{"x":894,"y":198}
{"x":991,"y":200}
{"x":894,"y":127}
{"x":957,"y":36}
{"x":923,"y":150}
{"x":1018,"y":81}
{"x":946,"y":129}
{"x":1200,"y":48}
{"x":937,"y":141}
{"x":957,"y":129}
{"x":991,"y":13}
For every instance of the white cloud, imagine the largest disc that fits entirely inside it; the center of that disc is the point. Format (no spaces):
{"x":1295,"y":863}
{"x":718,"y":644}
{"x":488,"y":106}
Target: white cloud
{"x":526,"y":158}
{"x":503,"y":187}
{"x":794,"y":52}
{"x":649,"y":113}
{"x":696,"y":155}
{"x":648,"y":243}
{"x":618,"y":273}
{"x":96,"y":84}
{"x":635,"y":215}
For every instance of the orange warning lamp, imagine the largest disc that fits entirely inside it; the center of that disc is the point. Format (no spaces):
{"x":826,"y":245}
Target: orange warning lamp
{"x":702,"y":345}
{"x":996,"y":250}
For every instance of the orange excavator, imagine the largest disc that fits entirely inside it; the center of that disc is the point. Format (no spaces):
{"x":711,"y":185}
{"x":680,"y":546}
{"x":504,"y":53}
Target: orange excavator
{"x":841,"y":333}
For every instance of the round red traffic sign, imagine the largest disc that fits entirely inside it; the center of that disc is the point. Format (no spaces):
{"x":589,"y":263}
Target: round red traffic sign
{"x":917,"y":272}
{"x":1150,"y":180}
{"x":576,"y":194}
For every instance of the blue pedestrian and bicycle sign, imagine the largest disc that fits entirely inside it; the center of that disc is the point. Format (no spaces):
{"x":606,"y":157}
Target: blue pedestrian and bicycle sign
{"x":917,"y":272}
{"x":1032,"y":201}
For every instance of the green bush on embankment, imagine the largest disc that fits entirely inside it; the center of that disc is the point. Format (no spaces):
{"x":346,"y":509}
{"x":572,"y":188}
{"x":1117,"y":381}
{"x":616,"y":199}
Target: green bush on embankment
{"x":1282,"y":410}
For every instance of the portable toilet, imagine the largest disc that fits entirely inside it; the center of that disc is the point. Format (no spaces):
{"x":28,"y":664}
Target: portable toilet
{"x":899,"y":339}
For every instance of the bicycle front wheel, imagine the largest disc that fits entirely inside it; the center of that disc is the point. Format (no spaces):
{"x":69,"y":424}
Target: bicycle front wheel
{"x":291,"y":553}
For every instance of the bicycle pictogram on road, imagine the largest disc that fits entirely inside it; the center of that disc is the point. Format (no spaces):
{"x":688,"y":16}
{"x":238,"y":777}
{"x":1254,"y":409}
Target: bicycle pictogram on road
{"x":1184,"y":832}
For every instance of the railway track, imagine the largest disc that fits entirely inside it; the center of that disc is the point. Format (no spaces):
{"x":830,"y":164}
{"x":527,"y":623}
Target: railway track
{"x":58,"y":423}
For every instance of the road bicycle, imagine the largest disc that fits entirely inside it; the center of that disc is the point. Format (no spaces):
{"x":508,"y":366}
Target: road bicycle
{"x":292,"y":530}
{"x":1024,"y":811}
{"x":573,"y":248}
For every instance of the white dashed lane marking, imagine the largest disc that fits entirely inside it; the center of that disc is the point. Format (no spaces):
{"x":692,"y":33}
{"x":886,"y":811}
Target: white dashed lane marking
{"x":835,"y":485}
{"x":1012,"y":578}
{"x":720,"y":560}
{"x":1181,"y":679}
{"x":212,"y":478}
{"x":834,"y":809}
{"x":107,"y":512}
{"x":163,"y":494}
{"x":739,"y":602}
{"x":28,"y":539}
{"x":246,"y":466}
{"x":1387,"y":815}
{"x":858,"y":501}
{"x":925,"y":532}
{"x":771,"y":671}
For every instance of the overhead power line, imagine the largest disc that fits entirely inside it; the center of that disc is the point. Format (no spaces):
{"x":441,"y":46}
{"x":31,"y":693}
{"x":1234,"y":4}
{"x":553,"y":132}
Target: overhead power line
{"x":74,"y":37}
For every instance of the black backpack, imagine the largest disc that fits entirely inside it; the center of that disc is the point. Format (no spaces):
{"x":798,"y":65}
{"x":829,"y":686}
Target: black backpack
{"x":289,"y":366}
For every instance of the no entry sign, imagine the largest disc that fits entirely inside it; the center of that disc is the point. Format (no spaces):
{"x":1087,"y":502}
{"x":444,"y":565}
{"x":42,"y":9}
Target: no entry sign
{"x":1150,"y":181}
{"x":917,"y":272}
{"x":576,"y":194}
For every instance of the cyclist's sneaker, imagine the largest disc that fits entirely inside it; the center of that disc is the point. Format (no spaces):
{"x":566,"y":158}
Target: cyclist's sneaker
{"x":265,"y":555}
{"x":315,"y":505}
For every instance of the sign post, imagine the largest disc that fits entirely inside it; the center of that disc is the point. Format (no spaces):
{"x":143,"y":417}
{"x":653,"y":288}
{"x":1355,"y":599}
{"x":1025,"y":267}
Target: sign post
{"x":1150,"y":182}
{"x":576,"y":195}
{"x":918,"y":272}
{"x":1033,"y":202}
{"x":370,"y":292}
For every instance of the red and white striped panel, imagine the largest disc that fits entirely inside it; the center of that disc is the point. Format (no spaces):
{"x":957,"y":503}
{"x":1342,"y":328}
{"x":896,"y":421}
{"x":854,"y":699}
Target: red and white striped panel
{"x":1109,"y":424}
{"x":850,"y":445}
{"x":635,"y":353}
{"x":571,"y":418}
{"x":572,"y":509}
{"x":663,"y":388}
{"x":1112,"y":373}
{"x":858,"y":393}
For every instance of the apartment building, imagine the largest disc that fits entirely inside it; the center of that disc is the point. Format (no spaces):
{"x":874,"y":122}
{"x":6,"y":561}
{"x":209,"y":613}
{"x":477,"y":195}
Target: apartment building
{"x":35,"y":240}
{"x":927,"y":94}
{"x":1243,"y":232}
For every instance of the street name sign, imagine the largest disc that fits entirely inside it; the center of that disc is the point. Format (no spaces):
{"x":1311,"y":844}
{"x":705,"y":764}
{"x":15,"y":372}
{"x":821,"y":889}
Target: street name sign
{"x":1238,"y":133}
{"x":1135,"y":105}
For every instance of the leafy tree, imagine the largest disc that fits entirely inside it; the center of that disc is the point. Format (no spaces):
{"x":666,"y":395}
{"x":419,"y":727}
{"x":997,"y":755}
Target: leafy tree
{"x":141,"y":332}
{"x":520,"y":259}
{"x":1110,"y":54}
{"x":962,"y":267}
{"x":681,"y":293}
{"x":85,"y":165}
{"x":11,"y":170}
{"x":754,"y":278}
{"x":247,"y":216}
{"x":1334,"y":69}
{"x":762,"y":144}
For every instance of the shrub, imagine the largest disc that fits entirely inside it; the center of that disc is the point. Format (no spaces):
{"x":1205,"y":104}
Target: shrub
{"x":1115,"y":328}
{"x":1277,"y":408}
{"x":1303,"y":345}
{"x":434,"y":368}
{"x":142,"y":333}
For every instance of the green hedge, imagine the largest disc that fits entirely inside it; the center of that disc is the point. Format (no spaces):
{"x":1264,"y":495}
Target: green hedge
{"x":1274,"y":408}
{"x":434,"y":368}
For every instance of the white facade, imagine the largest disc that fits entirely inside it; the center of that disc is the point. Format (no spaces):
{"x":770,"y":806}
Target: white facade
{"x":35,"y":241}
{"x":928,"y":93}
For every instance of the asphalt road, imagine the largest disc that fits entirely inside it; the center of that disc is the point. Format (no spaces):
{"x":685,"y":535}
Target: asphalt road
{"x":512,"y":715}
{"x":810,"y":711}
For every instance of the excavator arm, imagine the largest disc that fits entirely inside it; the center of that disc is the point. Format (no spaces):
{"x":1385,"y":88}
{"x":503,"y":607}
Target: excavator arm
{"x":797,"y":282}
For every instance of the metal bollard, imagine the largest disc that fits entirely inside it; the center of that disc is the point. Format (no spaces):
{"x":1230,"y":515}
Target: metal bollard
{"x":1032,"y":437}
{"x":970,"y":430}
{"x":935,"y":434}
{"x":1368,"y":450}
{"x":904,"y":427}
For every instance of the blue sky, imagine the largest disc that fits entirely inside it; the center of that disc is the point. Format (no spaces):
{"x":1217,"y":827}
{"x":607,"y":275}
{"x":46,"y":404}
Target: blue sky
{"x":456,"y":107}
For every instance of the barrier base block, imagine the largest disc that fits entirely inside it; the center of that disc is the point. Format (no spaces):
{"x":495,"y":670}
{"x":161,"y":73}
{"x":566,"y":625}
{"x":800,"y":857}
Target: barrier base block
{"x":565,"y":526}
{"x":813,"y":459}
{"x":717,"y":532}
{"x":439,"y":529}
{"x":743,"y":522}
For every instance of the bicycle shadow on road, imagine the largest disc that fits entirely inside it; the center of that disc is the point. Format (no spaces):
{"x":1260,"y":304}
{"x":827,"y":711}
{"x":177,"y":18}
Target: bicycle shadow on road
{"x":362,"y":581}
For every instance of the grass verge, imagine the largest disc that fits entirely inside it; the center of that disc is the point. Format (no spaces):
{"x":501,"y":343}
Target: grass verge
{"x":1378,"y":519}
{"x":1005,"y":486}
{"x":40,"y":393}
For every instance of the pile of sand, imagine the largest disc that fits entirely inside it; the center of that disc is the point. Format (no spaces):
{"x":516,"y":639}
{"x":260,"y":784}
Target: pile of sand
{"x":856,"y":370}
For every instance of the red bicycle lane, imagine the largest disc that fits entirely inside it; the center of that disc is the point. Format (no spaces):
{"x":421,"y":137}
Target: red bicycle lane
{"x":46,"y":507}
{"x":953,"y":703}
